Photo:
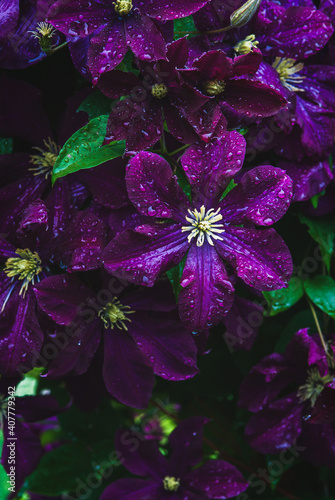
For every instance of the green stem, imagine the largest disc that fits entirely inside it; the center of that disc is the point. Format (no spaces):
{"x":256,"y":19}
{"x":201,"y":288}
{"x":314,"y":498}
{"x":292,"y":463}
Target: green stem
{"x":176,"y":151}
{"x":58,"y":47}
{"x":318,"y":327}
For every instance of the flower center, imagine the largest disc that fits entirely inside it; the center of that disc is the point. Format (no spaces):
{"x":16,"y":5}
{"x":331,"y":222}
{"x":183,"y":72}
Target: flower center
{"x":203,"y":224}
{"x":44,"y":33}
{"x":159,"y":90}
{"x":214,"y":87}
{"x":26,"y":268}
{"x":247,"y":45}
{"x":114,"y":314}
{"x":286,"y":69}
{"x":171,"y":483}
{"x":123,"y":7}
{"x":314,"y":386}
{"x":45,"y":159}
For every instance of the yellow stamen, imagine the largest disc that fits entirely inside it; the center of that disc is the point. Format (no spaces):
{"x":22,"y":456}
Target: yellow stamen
{"x":286,"y":69}
{"x":46,"y":158}
{"x":159,"y":90}
{"x":114,"y":314}
{"x":26,"y":268}
{"x":314,"y":386}
{"x":247,"y":45}
{"x":123,"y":7}
{"x":171,"y":483}
{"x":203,"y":224}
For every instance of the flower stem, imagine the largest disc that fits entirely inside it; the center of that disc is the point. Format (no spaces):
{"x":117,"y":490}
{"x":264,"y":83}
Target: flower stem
{"x":58,"y":47}
{"x":318,"y":327}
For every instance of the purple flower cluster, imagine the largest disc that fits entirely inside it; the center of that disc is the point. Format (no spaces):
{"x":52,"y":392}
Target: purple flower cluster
{"x":159,"y":162}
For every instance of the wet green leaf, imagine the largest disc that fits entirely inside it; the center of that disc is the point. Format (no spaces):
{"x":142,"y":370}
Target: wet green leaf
{"x":280,"y":300}
{"x":321,"y":291}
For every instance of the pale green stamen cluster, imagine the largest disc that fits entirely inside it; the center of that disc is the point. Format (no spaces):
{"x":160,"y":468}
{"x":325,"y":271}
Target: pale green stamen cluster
{"x":114,"y":314}
{"x":247,"y":45}
{"x":171,"y":483}
{"x":203,"y":224}
{"x":46,"y":159}
{"x":26,"y":268}
{"x":123,"y":7}
{"x":314,"y":386}
{"x":287,"y":69}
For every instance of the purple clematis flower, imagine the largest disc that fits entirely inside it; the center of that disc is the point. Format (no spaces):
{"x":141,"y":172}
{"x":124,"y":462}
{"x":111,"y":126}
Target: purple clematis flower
{"x":228,"y":79}
{"x":174,"y":478}
{"x":22,"y":27}
{"x":51,"y":233}
{"x":306,"y":414}
{"x":209,"y":232}
{"x":140,"y":331}
{"x":119,"y":26}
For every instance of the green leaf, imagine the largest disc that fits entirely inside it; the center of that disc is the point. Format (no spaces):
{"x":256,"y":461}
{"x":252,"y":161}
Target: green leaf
{"x":183,"y":26}
{"x":96,"y":104}
{"x":127,"y":64}
{"x":175,"y":275}
{"x":84,"y":149}
{"x":323,"y":232}
{"x":280,"y":300}
{"x":183,"y":183}
{"x":64,"y":468}
{"x":230,"y":186}
{"x":4,"y":493}
{"x":321,"y":291}
{"x":6,"y":146}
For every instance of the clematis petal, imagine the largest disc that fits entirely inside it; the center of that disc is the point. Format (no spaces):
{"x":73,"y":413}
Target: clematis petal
{"x":277,"y":427}
{"x":153,"y":189}
{"x":140,"y":256}
{"x":166,"y":343}
{"x":170,"y":10}
{"x":207,"y":293}
{"x":260,"y":257}
{"x":217,"y":479}
{"x":131,"y":489}
{"x":209,"y":167}
{"x":143,"y":38}
{"x":127,"y":372}
{"x":262,"y":197}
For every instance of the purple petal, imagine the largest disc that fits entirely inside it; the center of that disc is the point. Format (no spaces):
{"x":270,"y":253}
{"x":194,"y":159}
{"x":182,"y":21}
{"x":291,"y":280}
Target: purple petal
{"x":170,"y":10}
{"x":262,"y":196}
{"x":242,"y":324}
{"x":34,"y":217}
{"x":127,"y":372}
{"x":20,"y":334}
{"x":9,"y":14}
{"x":186,"y":443}
{"x":167,"y":344}
{"x":207,"y":293}
{"x":79,"y":19}
{"x":277,"y":427}
{"x":309,"y":177}
{"x":217,"y":479}
{"x":143,"y":38}
{"x":61,"y":296}
{"x":37,"y":408}
{"x":131,"y":489}
{"x":317,"y":444}
{"x":260,"y":257}
{"x":117,"y":83}
{"x":140,"y":256}
{"x":252,"y":98}
{"x":153,"y":189}
{"x":107,"y":49}
{"x":140,"y":457}
{"x":209,"y":167}
{"x":299,"y":33}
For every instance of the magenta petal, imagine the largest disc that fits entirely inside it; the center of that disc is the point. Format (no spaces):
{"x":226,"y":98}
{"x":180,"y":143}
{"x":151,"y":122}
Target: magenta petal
{"x":9,"y":14}
{"x":186,"y":443}
{"x":263,"y":196}
{"x":140,"y":456}
{"x":107,"y":49}
{"x":309,"y":177}
{"x":277,"y":427}
{"x":131,"y":489}
{"x":34,"y":217}
{"x":140,"y":257}
{"x":252,"y":98}
{"x":20,"y":334}
{"x":79,"y":18}
{"x":152,"y":187}
{"x":299,"y":33}
{"x":209,"y":167}
{"x":207,"y":293}
{"x":260,"y":257}
{"x":248,"y":63}
{"x":61,"y":296}
{"x":217,"y":479}
{"x":167,"y":344}
{"x":167,"y":11}
{"x":127,"y":372}
{"x":143,"y":38}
